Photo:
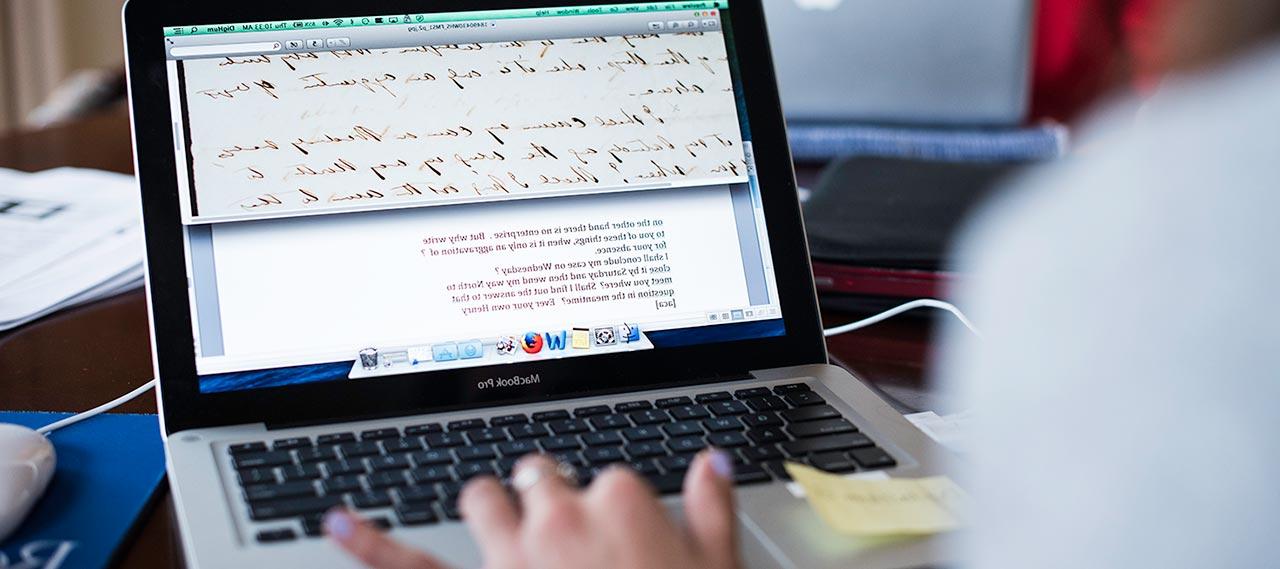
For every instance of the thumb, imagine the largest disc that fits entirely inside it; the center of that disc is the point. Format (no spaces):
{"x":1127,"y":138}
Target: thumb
{"x":708,"y":505}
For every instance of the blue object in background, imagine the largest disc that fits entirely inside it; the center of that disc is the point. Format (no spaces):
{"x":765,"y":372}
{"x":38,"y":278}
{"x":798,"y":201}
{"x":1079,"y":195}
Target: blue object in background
{"x":819,"y":143}
{"x":108,"y":470}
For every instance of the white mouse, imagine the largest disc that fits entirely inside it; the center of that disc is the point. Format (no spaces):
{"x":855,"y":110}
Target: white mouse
{"x":26,"y":465}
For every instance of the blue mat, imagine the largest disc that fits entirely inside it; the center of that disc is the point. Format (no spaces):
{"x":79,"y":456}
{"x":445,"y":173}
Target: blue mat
{"x":108,"y":470}
{"x":813,"y":142}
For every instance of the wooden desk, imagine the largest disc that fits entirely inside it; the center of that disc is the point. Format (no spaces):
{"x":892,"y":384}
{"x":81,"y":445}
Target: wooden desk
{"x":77,"y":359}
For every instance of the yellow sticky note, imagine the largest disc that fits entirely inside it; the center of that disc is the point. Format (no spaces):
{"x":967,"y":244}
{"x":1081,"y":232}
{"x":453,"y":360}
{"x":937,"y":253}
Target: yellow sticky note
{"x":895,"y":506}
{"x":581,"y":340}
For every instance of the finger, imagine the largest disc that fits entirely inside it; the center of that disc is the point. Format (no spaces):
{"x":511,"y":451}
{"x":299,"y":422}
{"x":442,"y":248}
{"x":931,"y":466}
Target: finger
{"x":371,"y":546}
{"x":492,"y":518}
{"x":550,"y":504}
{"x":708,"y":504}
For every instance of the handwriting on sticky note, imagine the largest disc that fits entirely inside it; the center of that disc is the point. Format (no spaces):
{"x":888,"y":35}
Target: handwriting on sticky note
{"x":448,"y":123}
{"x":895,"y":506}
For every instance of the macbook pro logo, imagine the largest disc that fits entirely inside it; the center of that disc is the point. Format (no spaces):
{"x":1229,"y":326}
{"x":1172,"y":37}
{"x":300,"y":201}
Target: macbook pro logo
{"x":513,"y":381}
{"x":818,"y":4}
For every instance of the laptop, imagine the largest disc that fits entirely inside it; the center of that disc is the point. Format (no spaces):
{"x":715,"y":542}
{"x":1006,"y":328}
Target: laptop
{"x":903,"y":61}
{"x":395,"y":245}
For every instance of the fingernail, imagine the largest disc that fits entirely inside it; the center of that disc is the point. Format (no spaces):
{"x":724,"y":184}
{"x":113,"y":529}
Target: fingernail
{"x":721,"y":463}
{"x":339,"y":524}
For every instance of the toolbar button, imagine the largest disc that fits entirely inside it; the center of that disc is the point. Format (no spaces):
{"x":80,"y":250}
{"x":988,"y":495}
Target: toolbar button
{"x":294,"y":45}
{"x":657,"y":26}
{"x":315,"y":44}
{"x":339,"y":42}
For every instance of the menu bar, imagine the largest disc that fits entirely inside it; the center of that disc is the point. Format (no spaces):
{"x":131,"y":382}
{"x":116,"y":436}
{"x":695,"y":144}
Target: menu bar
{"x":442,"y":17}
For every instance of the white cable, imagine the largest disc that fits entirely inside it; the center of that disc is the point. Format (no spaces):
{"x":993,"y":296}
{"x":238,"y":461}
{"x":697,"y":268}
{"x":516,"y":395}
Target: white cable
{"x":920,"y":303}
{"x":51,"y":427}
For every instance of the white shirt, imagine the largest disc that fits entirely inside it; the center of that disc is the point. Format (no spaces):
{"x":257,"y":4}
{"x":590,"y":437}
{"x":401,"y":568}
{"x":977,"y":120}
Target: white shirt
{"x":1127,"y":392}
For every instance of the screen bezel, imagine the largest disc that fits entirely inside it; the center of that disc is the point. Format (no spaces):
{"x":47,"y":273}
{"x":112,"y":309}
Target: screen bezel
{"x":185,"y":407}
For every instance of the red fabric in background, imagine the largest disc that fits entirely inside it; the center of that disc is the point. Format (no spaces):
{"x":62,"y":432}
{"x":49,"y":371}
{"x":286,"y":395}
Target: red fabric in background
{"x":1088,"y":48}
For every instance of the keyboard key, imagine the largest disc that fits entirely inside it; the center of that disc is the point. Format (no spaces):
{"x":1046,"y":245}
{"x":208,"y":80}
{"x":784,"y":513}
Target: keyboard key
{"x":750,"y":474}
{"x":755,"y":420}
{"x":820,"y":428}
{"x":466,"y":424}
{"x":506,"y":465}
{"x":728,"y":439}
{"x":600,"y":456}
{"x":682,"y":429}
{"x":558,"y":443}
{"x":292,"y":508}
{"x":826,"y":444}
{"x":386,"y":479}
{"x":766,"y":403}
{"x":251,"y":476}
{"x":268,"y":492}
{"x":568,"y":426}
{"x":649,"y":417}
{"x":344,"y":468}
{"x":776,"y":469}
{"x":551,"y":415}
{"x":712,"y":397}
{"x":245,"y":448}
{"x":690,"y":412}
{"x":645,"y":450}
{"x":444,"y":440}
{"x":814,"y":413}
{"x":371,"y":499}
{"x":670,"y":483}
{"x":468,"y":470}
{"x":335,"y":438}
{"x":379,"y":434}
{"x":630,"y":406}
{"x":570,"y":457}
{"x":613,"y":421}
{"x":405,"y":444}
{"x":416,"y":514}
{"x":389,"y":462}
{"x":751,"y":392}
{"x":379,"y":523}
{"x":359,"y":450}
{"x":430,"y":474}
{"x":505,"y":420}
{"x":638,"y":434}
{"x":874,"y":457}
{"x":417,"y":430}
{"x":721,"y":408}
{"x":483,"y":452}
{"x":432,"y":456}
{"x":601,"y":438}
{"x":722,"y":424}
{"x":313,"y":526}
{"x":341,"y":485}
{"x":451,"y":511}
{"x":591,"y":411}
{"x":486,"y":435}
{"x":316,"y":454}
{"x":766,"y":435}
{"x":291,"y":443}
{"x":761,"y":453}
{"x":791,"y":388}
{"x":527,"y":431}
{"x":296,"y":472}
{"x":677,"y":463}
{"x":412,"y":494}
{"x":644,"y":467}
{"x":804,"y":399}
{"x":262,"y":459}
{"x":276,"y":535}
{"x":672,"y":402}
{"x":833,"y":462}
{"x":686,"y":444}
{"x":517,"y":448}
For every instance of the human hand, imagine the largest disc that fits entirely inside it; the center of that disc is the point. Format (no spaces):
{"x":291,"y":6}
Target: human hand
{"x":615,"y":523}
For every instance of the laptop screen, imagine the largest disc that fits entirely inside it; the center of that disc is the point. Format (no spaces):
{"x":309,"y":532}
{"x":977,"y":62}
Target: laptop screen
{"x":375,"y":196}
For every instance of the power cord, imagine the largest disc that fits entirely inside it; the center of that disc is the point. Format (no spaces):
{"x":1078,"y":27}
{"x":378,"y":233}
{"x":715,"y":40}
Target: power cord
{"x":51,"y":427}
{"x":920,"y":303}
{"x":844,"y":329}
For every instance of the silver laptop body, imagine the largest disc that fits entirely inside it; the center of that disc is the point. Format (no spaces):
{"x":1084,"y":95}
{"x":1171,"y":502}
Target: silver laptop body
{"x":903,"y":61}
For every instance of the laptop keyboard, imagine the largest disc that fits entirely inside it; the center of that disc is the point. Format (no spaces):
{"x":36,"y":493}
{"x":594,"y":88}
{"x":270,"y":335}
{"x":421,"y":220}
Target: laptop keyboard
{"x":412,"y":476}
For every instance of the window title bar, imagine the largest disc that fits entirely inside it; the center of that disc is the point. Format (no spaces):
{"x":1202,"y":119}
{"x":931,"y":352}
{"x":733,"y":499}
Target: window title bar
{"x":443,"y":17}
